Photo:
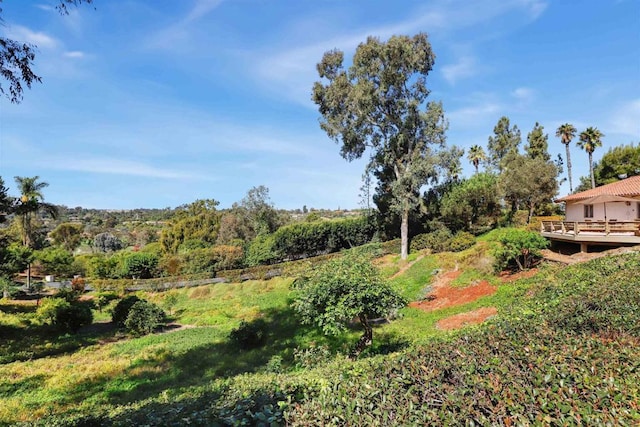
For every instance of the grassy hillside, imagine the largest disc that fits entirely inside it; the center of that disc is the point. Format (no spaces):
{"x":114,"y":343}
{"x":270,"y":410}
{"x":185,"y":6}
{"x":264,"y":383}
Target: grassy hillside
{"x":561,"y":350}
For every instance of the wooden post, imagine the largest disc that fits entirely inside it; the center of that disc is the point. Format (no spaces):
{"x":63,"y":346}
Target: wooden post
{"x":584,"y":247}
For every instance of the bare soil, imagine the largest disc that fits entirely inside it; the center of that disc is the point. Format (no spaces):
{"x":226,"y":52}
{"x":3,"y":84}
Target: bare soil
{"x":469,"y":318}
{"x":443,"y":295}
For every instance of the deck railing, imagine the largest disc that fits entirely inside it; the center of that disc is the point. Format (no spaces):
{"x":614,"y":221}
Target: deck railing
{"x":601,"y":227}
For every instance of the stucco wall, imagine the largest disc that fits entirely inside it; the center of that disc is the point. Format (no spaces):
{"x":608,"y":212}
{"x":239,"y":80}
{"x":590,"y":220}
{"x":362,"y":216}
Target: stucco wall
{"x":615,"y":210}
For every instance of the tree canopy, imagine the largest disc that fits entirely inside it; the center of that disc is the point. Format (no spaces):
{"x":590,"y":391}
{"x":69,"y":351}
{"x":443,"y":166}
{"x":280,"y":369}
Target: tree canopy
{"x":196,"y":221}
{"x":617,"y":163}
{"x":17,"y":58}
{"x":538,"y":143}
{"x":566,"y":133}
{"x":344,"y":288}
{"x":379,"y":106}
{"x":590,"y":139}
{"x":503,"y":144}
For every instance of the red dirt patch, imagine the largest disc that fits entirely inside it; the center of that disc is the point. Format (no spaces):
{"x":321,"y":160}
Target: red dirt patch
{"x":469,"y":318}
{"x":505,"y":276}
{"x":443,"y":295}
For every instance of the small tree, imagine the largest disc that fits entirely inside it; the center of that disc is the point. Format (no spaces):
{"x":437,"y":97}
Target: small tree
{"x":520,"y":247}
{"x":144,"y":317}
{"x":342,"y":289}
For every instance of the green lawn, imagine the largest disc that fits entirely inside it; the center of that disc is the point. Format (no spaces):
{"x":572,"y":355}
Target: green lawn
{"x":101,"y":369}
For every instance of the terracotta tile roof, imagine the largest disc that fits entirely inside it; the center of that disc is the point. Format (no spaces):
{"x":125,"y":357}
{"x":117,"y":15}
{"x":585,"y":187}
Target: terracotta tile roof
{"x":629,"y":187}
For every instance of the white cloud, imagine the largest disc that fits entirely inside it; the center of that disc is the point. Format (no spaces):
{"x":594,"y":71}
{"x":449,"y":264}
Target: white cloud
{"x":291,"y":71}
{"x":25,"y":35}
{"x":201,"y":8}
{"x":473,"y":115}
{"x":465,"y":67}
{"x":626,"y":120}
{"x":114,"y":166}
{"x":523,"y":96}
{"x":535,"y":7}
{"x":179,"y":34}
{"x":74,"y":54}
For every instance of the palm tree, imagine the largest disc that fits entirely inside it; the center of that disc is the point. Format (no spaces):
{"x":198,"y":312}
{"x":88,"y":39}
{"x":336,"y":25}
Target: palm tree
{"x":566,"y":133}
{"x":590,"y":139}
{"x":31,"y":202}
{"x":476,"y":155}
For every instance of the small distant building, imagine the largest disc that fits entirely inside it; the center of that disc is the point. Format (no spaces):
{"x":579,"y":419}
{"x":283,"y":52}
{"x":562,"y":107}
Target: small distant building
{"x":605,"y":215}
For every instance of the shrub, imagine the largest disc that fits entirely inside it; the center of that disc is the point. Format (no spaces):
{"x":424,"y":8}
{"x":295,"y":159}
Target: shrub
{"x":78,"y":284}
{"x":438,"y":241}
{"x":311,"y":357}
{"x":49,"y":307}
{"x":144,"y":317}
{"x":461,"y":240}
{"x":249,"y":334}
{"x":121,"y":310}
{"x":519,"y":247}
{"x":63,"y":314}
{"x":139,"y":265}
{"x":74,"y":316}
{"x":262,"y":251}
{"x":102,"y":299}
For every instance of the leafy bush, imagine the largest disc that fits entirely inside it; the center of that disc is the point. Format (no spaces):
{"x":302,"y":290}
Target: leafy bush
{"x":438,"y":241}
{"x":311,"y":357}
{"x":74,"y":316}
{"x":139,"y":265}
{"x":144,"y":317}
{"x":63,"y":314}
{"x":461,"y":240}
{"x":102,"y":299}
{"x":262,"y":251}
{"x":519,"y":247}
{"x":250,"y":335}
{"x":49,"y":307}
{"x":342,"y":289}
{"x":302,"y":240}
{"x":121,"y":310}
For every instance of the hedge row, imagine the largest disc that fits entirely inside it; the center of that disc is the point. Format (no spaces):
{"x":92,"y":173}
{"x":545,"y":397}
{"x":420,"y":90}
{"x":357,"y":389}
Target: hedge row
{"x":308,"y":239}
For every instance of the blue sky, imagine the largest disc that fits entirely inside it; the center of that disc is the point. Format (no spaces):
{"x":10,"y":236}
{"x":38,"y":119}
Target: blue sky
{"x":156,"y":103}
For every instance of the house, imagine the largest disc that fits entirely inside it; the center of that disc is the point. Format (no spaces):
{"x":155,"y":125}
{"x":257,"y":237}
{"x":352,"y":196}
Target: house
{"x":605,"y":215}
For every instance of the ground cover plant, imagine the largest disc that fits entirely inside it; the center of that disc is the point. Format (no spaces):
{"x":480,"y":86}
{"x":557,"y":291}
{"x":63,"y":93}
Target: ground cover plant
{"x":565,"y":338}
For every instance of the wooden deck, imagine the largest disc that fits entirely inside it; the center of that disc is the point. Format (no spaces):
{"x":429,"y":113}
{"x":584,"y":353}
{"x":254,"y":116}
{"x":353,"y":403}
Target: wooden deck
{"x":593,"y":232}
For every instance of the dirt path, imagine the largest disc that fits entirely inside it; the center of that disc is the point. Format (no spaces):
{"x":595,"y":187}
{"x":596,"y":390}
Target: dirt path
{"x":405,"y":267}
{"x":444,"y":295}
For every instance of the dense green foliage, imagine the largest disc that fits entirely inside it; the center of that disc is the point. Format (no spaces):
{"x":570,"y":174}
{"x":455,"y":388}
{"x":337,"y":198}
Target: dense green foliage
{"x":123,"y":307}
{"x":303,"y":240}
{"x":564,"y":354}
{"x":472,"y":204}
{"x":379,"y":105}
{"x":197,"y":221}
{"x":249,"y":335}
{"x":519,"y":247}
{"x":342,"y":289}
{"x":144,"y":317}
{"x":65,"y":315}
{"x":617,"y":163}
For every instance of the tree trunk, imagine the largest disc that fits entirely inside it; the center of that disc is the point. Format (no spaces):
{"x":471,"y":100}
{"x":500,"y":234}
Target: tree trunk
{"x":569,"y":169}
{"x":29,"y":277}
{"x":593,"y":179}
{"x":532,"y":207}
{"x":365,"y":340}
{"x":404,"y":235}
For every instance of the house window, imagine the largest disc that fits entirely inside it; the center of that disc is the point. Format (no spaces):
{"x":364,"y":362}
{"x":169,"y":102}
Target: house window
{"x":638,"y":210}
{"x":588,"y":211}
